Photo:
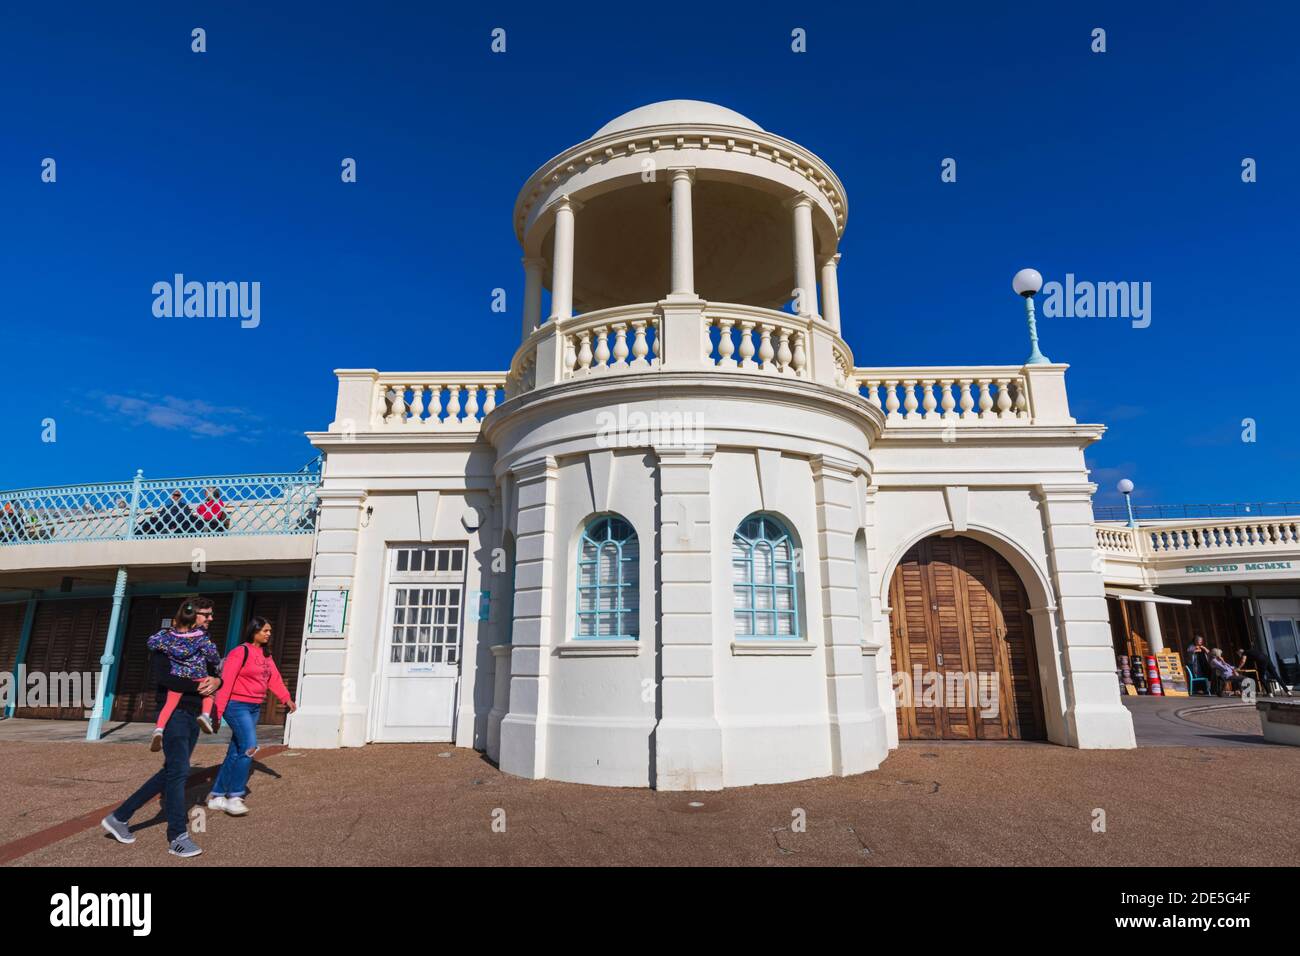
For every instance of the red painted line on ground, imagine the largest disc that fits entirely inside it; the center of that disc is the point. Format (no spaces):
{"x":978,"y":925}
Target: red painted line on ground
{"x":61,"y":831}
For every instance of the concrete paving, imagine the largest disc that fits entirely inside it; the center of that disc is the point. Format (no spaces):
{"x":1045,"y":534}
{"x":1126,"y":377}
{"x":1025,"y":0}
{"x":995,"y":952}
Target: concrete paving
{"x":135,"y":733}
{"x":420,"y":805}
{"x":1194,"y":722}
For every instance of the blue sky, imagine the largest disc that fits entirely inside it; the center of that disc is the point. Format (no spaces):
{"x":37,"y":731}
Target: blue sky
{"x":1122,"y":166}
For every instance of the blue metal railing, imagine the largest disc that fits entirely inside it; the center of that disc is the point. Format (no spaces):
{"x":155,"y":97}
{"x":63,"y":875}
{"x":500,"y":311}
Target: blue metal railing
{"x":1241,"y":509}
{"x":161,"y":508}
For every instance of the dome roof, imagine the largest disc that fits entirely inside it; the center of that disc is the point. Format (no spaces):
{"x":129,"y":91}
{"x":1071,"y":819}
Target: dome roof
{"x":677,"y":113}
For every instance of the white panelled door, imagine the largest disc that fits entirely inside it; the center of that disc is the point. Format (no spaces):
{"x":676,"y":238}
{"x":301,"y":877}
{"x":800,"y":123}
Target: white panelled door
{"x":420,"y":645}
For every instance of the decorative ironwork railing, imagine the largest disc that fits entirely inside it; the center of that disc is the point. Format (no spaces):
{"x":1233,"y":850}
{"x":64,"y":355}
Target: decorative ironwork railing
{"x":1238,"y":509}
{"x":161,"y":508}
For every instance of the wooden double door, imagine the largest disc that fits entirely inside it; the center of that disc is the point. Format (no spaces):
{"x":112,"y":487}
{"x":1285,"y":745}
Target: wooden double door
{"x":963,"y":636}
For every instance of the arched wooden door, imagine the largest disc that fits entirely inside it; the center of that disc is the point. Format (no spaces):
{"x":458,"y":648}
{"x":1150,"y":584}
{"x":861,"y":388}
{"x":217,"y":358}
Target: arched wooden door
{"x":960,"y":616}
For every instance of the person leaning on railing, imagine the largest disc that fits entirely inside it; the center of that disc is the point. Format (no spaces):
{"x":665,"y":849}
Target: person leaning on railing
{"x":12,"y":525}
{"x":212,"y":512}
{"x":175,"y":518}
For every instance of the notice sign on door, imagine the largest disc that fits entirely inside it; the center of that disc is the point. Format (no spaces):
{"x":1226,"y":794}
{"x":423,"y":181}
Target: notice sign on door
{"x":329,"y":611}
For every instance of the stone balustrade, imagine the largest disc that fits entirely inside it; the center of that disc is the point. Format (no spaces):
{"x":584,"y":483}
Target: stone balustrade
{"x":621,"y":339}
{"x":1222,"y":536}
{"x":1118,"y":541}
{"x":934,"y":396}
{"x":435,"y":400}
{"x":1211,"y":538}
{"x":756,"y":340}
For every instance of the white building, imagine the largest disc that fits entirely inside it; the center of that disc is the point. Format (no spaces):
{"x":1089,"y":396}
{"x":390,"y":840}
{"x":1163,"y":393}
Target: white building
{"x":685,"y":542}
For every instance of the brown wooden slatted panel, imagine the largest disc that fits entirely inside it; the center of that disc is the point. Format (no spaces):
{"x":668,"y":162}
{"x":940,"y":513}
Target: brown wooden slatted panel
{"x":11,"y":630}
{"x":912,"y":645}
{"x":1021,"y":658}
{"x":957,"y":597}
{"x":134,"y":699}
{"x":287,"y":612}
{"x":67,"y":637}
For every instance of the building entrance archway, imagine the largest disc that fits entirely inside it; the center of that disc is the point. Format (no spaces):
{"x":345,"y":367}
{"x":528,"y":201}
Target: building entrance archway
{"x":963,"y":644}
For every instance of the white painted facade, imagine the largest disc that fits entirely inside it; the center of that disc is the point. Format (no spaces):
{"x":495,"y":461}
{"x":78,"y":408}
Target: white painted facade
{"x":667,"y":386}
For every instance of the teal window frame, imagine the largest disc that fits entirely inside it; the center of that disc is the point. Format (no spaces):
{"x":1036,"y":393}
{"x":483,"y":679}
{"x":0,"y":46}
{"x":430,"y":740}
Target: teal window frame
{"x":757,"y":588}
{"x":608,"y":535}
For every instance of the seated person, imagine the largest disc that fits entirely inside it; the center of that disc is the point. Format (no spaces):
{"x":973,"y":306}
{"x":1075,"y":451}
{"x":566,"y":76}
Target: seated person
{"x":1224,"y":672}
{"x":1198,"y":660}
{"x":1262,"y":664}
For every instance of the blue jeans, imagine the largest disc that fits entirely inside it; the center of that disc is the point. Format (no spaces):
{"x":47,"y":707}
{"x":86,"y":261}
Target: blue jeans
{"x":179,"y":737}
{"x":233,"y":776}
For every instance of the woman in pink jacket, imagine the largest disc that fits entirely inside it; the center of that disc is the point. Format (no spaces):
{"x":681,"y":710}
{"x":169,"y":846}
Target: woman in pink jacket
{"x":246,"y":675}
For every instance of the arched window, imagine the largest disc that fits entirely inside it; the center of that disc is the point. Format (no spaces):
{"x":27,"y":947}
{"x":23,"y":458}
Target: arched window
{"x":764,"y":579}
{"x":608,"y":578}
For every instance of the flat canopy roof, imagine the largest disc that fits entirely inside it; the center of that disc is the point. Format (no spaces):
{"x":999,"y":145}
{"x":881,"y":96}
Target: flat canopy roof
{"x":1127,"y":594}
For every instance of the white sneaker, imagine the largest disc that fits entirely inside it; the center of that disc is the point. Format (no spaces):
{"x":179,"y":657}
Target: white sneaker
{"x":205,"y":724}
{"x":235,"y":806}
{"x":216,"y":803}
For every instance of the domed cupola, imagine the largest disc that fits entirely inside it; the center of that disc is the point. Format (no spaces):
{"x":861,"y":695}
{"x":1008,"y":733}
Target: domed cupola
{"x":676,"y":202}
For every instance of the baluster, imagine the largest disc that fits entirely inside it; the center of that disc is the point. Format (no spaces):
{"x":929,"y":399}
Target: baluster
{"x":399,"y":403}
{"x":1022,"y":400}
{"x":765,"y":350}
{"x":453,"y":404}
{"x":986,"y":399}
{"x":783,"y":353}
{"x":928,"y":403}
{"x":570,"y":354}
{"x":1004,"y":398}
{"x":602,"y":349}
{"x":725,"y":345}
{"x":873,"y":393}
{"x":654,"y":346}
{"x":489,"y":399}
{"x":620,"y":344}
{"x":416,"y":408}
{"x":584,"y":351}
{"x":891,"y":400}
{"x":639,"y":346}
{"x":471,"y":405}
{"x":747,"y":345}
{"x":909,"y":399}
{"x":946,"y":401}
{"x":967,"y":402}
{"x":800,"y":358}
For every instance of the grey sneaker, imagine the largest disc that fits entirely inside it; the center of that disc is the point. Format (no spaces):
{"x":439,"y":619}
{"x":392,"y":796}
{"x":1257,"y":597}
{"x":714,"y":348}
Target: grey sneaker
{"x":205,"y":723}
{"x":183,"y":846}
{"x":117,"y":829}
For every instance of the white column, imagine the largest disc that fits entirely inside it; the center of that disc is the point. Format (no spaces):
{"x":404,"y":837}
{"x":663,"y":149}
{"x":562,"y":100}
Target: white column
{"x":331,"y":713}
{"x":831,"y":291}
{"x":683,"y":241}
{"x":1151,"y":617}
{"x":688,"y":740}
{"x":523,"y":729}
{"x":1086,"y":697}
{"x":532,"y":294}
{"x":858,"y":737}
{"x":805,"y":267}
{"x":562,"y":261}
